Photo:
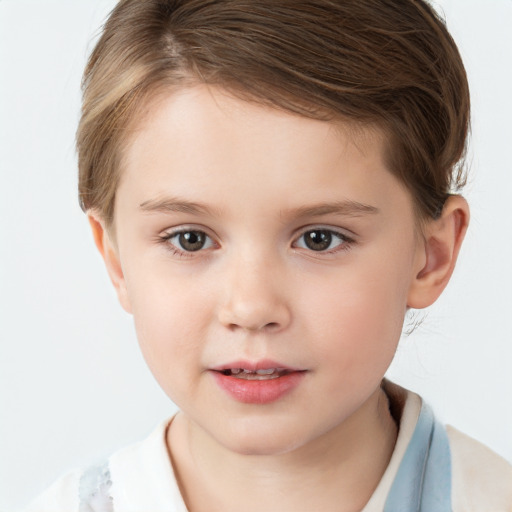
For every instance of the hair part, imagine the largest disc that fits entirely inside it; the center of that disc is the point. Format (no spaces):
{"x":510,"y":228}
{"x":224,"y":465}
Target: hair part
{"x":389,"y":64}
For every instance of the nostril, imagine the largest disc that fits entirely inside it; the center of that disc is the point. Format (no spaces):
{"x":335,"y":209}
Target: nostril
{"x":271,"y":326}
{"x":254,"y":315}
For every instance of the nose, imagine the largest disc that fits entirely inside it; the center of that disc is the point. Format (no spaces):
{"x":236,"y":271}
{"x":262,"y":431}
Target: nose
{"x":255,"y":297}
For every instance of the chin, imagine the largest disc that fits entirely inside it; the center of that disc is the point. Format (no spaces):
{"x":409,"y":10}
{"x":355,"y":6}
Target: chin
{"x":251,"y":438}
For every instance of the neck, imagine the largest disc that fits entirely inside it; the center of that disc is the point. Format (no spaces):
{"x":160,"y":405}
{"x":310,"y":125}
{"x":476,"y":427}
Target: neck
{"x":338,"y":471}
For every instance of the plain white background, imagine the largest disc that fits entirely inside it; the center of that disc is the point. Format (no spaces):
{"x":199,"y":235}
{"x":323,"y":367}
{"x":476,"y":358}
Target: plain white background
{"x":73,"y":385}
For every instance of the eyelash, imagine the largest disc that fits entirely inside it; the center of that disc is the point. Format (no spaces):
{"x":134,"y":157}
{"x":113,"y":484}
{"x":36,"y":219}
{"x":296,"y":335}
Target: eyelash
{"x":176,"y":251}
{"x":345,"y":242}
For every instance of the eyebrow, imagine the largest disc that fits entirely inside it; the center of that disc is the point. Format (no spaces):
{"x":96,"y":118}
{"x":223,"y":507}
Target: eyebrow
{"x":174,"y":204}
{"x":342,"y":208}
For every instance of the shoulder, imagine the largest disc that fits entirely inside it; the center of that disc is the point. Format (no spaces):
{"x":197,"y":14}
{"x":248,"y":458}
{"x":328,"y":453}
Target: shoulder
{"x":62,"y":495}
{"x":481,"y":479}
{"x":135,"y":476}
{"x":440,"y":462}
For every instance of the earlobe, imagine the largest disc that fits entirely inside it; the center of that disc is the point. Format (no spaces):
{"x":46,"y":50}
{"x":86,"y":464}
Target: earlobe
{"x":442,"y":242}
{"x":110,"y":256}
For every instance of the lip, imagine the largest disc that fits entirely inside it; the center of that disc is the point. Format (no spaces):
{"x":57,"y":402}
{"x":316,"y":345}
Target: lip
{"x":257,"y":391}
{"x":252,"y":366}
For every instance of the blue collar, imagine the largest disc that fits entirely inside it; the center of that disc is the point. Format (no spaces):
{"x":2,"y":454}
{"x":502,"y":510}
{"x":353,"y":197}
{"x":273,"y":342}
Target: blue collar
{"x":423,"y":480}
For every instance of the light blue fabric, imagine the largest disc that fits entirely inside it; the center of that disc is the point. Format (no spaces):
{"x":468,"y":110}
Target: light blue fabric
{"x":423,"y":480}
{"x":94,"y":490}
{"x":422,"y":483}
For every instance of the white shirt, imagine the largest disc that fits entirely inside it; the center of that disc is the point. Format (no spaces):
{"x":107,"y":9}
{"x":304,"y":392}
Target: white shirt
{"x":143,"y":479}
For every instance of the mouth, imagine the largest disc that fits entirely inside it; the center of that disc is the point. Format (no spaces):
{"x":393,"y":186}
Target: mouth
{"x":263,"y":374}
{"x":257,"y":383}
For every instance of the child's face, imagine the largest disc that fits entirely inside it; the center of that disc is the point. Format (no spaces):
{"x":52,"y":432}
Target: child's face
{"x":249,"y":237}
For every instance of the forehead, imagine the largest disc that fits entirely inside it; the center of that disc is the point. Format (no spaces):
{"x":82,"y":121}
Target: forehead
{"x":195,"y":102}
{"x":202,"y":141}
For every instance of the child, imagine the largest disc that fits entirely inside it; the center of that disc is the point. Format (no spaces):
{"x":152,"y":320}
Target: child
{"x":271,"y":184}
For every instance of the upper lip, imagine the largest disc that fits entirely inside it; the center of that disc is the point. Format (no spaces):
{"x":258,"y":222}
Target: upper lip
{"x":264,"y":364}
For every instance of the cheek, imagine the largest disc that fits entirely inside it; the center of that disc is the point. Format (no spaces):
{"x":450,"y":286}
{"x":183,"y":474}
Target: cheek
{"x":170,"y":322}
{"x":359,"y":316}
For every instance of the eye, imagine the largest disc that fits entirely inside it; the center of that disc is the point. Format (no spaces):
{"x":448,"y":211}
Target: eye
{"x":189,"y":240}
{"x":321,"y":240}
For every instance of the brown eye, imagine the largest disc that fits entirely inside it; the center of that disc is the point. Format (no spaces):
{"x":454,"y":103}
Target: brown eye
{"x":318,"y":239}
{"x":190,"y":241}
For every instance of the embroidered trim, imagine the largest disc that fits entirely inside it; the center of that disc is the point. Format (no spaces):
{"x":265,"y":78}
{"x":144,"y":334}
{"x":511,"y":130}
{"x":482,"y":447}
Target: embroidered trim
{"x":94,"y":490}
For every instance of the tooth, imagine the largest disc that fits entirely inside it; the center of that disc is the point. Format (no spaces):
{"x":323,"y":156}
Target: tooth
{"x":236,"y":371}
{"x":247,"y":371}
{"x":265,"y":372}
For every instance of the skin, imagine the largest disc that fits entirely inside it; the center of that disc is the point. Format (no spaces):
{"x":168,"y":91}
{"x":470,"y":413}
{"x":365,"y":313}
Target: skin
{"x":262,"y":179}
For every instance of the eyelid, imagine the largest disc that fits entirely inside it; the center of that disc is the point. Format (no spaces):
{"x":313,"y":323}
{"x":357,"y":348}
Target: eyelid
{"x":184,"y":228}
{"x":342,"y":232}
{"x":347,"y":238}
{"x":168,"y":234}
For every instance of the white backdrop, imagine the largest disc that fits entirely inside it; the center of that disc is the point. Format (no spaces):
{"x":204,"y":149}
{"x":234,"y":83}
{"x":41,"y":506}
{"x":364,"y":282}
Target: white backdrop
{"x":73,"y":385}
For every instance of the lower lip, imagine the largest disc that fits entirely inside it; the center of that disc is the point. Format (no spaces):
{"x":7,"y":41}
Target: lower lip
{"x":258,"y":391}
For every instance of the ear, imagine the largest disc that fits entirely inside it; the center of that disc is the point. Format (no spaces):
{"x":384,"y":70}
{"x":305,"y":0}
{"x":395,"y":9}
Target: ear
{"x":442,"y":241}
{"x":110,"y":256}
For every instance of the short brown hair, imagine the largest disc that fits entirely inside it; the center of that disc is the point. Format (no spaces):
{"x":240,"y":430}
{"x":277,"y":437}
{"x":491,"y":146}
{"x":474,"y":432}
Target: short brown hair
{"x":386,"y":63}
